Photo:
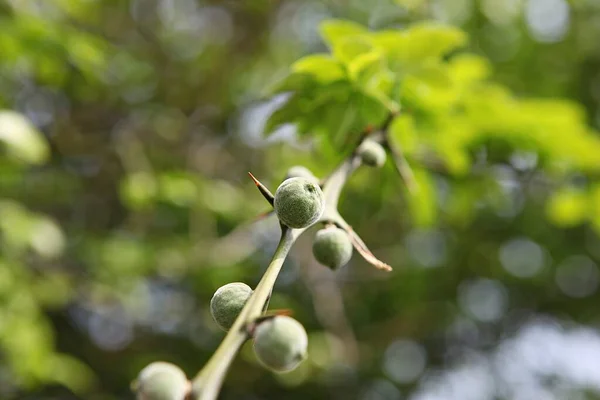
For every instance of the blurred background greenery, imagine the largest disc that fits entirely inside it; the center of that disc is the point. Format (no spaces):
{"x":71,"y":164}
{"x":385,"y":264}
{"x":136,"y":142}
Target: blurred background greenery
{"x":127,"y":128}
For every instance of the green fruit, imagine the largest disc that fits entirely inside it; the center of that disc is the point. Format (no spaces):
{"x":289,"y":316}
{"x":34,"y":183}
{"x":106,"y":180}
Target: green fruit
{"x":299,"y":202}
{"x":227,"y":303}
{"x":372,"y":153}
{"x":298,"y":171}
{"x":280,"y":343}
{"x":332,"y":247}
{"x":161,"y":381}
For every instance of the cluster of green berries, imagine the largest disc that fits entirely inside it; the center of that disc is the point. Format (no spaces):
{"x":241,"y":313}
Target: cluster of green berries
{"x":299,"y":203}
{"x":280,"y":342}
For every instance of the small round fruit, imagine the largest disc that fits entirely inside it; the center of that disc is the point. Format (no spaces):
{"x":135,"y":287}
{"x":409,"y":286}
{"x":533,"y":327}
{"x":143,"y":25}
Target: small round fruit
{"x":299,"y":202}
{"x":227,"y":303}
{"x":372,"y":153}
{"x":332,"y":247}
{"x":280,"y":343}
{"x":161,"y":381}
{"x":298,"y":171}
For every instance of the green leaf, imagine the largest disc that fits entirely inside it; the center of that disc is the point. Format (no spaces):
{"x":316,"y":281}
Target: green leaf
{"x":282,"y":116}
{"x":365,"y":66}
{"x":307,"y":107}
{"x":418,"y":44}
{"x":322,"y":67}
{"x":22,"y":139}
{"x":429,"y":89}
{"x":332,"y":31}
{"x":371,"y":110}
{"x":468,"y":68}
{"x":347,"y":50}
{"x":568,"y":207}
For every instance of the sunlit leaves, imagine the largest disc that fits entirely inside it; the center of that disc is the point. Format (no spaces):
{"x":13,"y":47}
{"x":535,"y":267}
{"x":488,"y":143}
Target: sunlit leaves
{"x":568,"y":207}
{"x":468,"y":68}
{"x":410,"y":49}
{"x":571,"y":206}
{"x":448,"y":106}
{"x":349,"y":89}
{"x":22,"y":140}
{"x":385,"y":67}
{"x":335,"y":32}
{"x":323,"y":68}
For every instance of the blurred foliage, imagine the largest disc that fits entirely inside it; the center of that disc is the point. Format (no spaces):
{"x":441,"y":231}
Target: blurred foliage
{"x":127,"y":129}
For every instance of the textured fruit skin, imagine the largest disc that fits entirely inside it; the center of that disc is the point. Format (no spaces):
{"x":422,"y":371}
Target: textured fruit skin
{"x":280,"y":343}
{"x":299,"y":202}
{"x":332,"y":247}
{"x":227,"y":303}
{"x":372,"y":153}
{"x":161,"y":381}
{"x":299,"y":171}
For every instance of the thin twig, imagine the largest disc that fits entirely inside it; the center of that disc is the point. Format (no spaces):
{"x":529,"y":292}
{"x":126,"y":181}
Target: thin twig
{"x":404,"y":170}
{"x":207,"y":384}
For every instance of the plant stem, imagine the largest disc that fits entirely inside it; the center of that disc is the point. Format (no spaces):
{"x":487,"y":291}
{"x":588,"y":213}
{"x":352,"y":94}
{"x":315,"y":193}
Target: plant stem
{"x":207,"y":384}
{"x":332,"y":188}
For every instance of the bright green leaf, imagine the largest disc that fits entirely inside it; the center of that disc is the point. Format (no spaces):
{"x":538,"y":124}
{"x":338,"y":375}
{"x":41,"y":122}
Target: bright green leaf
{"x":568,"y":207}
{"x":333,"y":31}
{"x":347,"y":50}
{"x":365,"y":66}
{"x":322,"y":67}
{"x":468,"y":68}
{"x":418,"y":44}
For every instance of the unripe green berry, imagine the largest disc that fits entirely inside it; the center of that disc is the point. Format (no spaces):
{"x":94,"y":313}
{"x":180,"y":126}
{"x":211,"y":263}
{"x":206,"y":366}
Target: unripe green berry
{"x":161,"y":381}
{"x":332,"y":247}
{"x":227,"y":303}
{"x":299,"y":202}
{"x":298,"y":171}
{"x":372,"y":153}
{"x":280,"y":343}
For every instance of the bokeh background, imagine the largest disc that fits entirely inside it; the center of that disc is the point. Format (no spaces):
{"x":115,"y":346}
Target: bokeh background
{"x":127,"y":128}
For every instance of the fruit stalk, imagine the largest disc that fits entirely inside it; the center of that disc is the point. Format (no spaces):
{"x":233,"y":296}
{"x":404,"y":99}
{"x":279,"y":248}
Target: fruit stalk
{"x":207,"y":383}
